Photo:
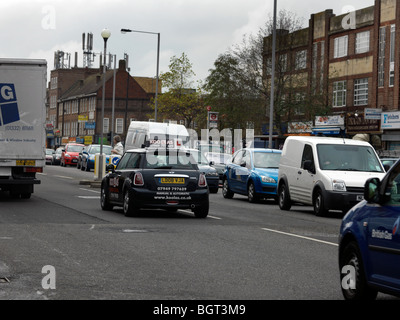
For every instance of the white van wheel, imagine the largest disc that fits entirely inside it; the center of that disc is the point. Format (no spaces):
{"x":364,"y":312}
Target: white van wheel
{"x":319,"y":204}
{"x":284,"y":198}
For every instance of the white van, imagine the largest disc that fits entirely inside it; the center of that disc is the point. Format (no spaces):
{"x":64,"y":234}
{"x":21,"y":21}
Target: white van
{"x":142,"y":133}
{"x":327,"y":173}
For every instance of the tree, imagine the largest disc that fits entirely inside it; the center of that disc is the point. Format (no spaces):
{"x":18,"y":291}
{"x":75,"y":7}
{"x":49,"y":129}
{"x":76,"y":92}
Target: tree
{"x":227,"y":95}
{"x":247,"y":69}
{"x":180,"y":100}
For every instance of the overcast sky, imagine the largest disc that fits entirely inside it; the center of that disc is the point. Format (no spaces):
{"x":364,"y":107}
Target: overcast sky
{"x":202,"y":29}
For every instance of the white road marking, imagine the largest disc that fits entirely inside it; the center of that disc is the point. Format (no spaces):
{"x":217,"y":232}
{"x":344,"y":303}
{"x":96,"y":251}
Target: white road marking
{"x":299,"y":236}
{"x":64,"y":177}
{"x":212,"y":217}
{"x":89,"y":197}
{"x":95,"y":191}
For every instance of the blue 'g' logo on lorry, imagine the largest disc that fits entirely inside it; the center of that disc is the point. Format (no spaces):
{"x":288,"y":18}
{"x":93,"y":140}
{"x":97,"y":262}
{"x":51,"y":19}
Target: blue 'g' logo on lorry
{"x":8,"y":104}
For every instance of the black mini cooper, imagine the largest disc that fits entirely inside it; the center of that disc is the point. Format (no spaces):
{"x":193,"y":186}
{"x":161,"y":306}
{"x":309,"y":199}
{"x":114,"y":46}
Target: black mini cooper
{"x":155,"y":178}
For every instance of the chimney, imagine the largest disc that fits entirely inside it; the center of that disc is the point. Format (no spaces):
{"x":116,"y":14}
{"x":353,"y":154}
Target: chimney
{"x":122,"y":65}
{"x":76,"y":60}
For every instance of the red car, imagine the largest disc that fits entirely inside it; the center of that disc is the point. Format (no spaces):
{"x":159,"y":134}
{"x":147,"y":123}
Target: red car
{"x":70,"y":154}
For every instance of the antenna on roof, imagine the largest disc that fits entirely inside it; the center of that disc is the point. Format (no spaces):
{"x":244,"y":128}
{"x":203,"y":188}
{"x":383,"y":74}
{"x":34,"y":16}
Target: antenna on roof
{"x":87,"y":47}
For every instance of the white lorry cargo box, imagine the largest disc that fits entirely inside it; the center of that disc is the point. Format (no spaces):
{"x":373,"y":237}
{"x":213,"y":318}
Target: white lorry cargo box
{"x":22,"y":120}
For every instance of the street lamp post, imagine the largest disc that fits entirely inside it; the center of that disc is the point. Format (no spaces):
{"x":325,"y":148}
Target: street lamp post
{"x":271,"y":109}
{"x":105,"y":34}
{"x":158,"y":64}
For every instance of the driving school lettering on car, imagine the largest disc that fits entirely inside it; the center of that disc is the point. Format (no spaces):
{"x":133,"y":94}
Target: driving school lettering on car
{"x":172,"y":193}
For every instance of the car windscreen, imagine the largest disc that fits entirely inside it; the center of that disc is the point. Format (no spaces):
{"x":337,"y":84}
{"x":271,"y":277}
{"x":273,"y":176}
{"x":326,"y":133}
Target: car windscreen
{"x":96,"y":149}
{"x":169,"y":159}
{"x":222,"y":158}
{"x":199,"y":157}
{"x":73,"y":148}
{"x":266,"y":160}
{"x":348,"y":158}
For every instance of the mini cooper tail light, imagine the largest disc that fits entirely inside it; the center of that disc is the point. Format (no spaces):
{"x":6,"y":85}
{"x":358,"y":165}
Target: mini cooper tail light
{"x":138,"y":179}
{"x":202,"y":180}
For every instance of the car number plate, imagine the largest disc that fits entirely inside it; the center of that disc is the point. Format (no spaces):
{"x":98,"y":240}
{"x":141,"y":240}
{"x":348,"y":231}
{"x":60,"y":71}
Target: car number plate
{"x":26,"y":163}
{"x":172,"y":180}
{"x":360,"y":197}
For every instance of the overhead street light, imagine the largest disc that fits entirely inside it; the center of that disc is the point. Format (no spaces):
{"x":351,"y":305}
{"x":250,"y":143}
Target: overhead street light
{"x":158,"y":64}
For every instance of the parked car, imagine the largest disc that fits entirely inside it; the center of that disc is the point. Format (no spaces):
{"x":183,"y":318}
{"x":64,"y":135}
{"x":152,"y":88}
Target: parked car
{"x":57,"y":156}
{"x":369,"y":241}
{"x":219,"y":161}
{"x":166,"y":179}
{"x":70,"y":154}
{"x":88,"y":155}
{"x":252,"y":172}
{"x":49,"y":156}
{"x":326,"y":173}
{"x":204,"y":166}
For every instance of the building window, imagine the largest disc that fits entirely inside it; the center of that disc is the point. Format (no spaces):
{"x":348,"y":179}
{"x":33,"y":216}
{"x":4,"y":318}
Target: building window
{"x":119,"y":125}
{"x":301,"y":60}
{"x":361,"y":92}
{"x":339,"y":93}
{"x":340,"y":47}
{"x":283,"y":62}
{"x":106,"y":125}
{"x":362,"y":42}
{"x":381,"y":57}
{"x":392,"y":47}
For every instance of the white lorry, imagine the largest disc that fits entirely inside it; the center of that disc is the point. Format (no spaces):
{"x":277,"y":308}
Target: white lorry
{"x":22,"y":121}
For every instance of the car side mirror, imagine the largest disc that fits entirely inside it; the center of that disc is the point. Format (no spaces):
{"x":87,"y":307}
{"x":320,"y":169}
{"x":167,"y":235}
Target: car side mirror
{"x":243,"y":163}
{"x":386,"y":167}
{"x":211,"y":163}
{"x":111,"y":168}
{"x":309,"y":166}
{"x":371,"y":190}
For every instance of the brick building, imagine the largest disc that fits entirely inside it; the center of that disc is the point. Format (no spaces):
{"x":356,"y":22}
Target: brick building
{"x":354,"y":58}
{"x":75,"y":103}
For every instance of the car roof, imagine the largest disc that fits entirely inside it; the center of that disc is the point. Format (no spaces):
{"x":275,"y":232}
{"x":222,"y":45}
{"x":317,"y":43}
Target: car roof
{"x":74,"y":144}
{"x":329,"y":140}
{"x":263,"y":150}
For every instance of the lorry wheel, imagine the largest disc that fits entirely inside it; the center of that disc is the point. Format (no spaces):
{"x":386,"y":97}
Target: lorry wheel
{"x":350,"y":256}
{"x":319,"y":204}
{"x":284,"y":198}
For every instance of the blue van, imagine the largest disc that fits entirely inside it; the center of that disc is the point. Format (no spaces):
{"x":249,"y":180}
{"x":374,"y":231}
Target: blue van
{"x":369,"y":242}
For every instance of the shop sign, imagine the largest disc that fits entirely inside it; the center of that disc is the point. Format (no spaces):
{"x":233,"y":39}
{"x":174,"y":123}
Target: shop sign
{"x":390,"y":120}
